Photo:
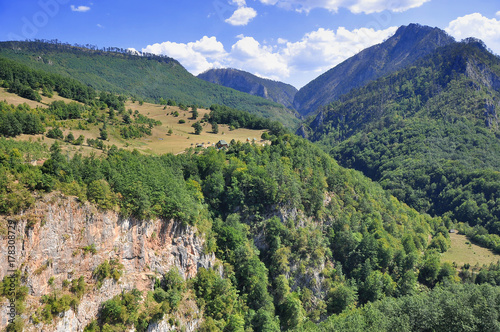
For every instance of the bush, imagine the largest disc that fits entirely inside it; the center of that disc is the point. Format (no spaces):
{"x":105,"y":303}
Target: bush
{"x":55,"y":133}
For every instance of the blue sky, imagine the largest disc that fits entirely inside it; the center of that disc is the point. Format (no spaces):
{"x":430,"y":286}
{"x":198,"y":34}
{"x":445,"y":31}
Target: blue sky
{"x":293,"y":41}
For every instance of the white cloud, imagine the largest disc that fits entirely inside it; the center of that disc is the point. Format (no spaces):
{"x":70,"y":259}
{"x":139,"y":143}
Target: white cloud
{"x":355,"y":6}
{"x":242,"y":16}
{"x":196,"y":56}
{"x":248,"y":54}
{"x":81,"y":9}
{"x":322,"y":49}
{"x":478,"y":26}
{"x":295,"y":62}
{"x":498,"y":13}
{"x":239,"y":3}
{"x":133,"y":51}
{"x":99,"y":25}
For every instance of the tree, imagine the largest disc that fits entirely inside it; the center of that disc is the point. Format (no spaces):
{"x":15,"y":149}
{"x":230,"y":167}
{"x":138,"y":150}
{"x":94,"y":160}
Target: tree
{"x":341,"y":297}
{"x":79,"y":140}
{"x":197,"y":128}
{"x":195,"y":112}
{"x":104,"y":135}
{"x":215,"y":128}
{"x":430,"y":269}
{"x":127,"y":119}
{"x":70,"y":138}
{"x":55,"y":133}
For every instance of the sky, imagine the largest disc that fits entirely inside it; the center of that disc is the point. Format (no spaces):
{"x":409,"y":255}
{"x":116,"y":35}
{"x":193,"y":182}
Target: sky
{"x":293,"y":41}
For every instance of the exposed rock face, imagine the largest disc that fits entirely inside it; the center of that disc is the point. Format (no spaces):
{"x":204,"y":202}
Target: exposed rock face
{"x":408,"y":44}
{"x":245,"y":82}
{"x":53,"y":248}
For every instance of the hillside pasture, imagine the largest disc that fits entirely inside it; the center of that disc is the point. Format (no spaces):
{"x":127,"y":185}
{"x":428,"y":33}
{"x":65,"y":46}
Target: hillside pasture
{"x":462,"y":251}
{"x":160,"y":142}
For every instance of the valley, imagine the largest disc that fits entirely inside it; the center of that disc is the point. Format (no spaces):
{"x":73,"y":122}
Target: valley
{"x":368,"y":200}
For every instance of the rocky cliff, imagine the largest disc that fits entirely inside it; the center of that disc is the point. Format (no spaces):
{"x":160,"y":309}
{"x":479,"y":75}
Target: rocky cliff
{"x":62,"y":239}
{"x":408,"y":44}
{"x":245,"y":82}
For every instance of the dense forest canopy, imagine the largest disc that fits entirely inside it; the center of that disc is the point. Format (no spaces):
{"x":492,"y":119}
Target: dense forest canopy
{"x":302,"y":243}
{"x":428,"y":133}
{"x":330,"y":239}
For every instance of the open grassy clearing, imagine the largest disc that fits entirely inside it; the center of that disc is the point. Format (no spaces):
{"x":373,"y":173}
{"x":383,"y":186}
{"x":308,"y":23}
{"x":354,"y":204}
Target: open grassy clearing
{"x":183,"y":135}
{"x":14,"y":99}
{"x":462,"y":251}
{"x":160,"y":142}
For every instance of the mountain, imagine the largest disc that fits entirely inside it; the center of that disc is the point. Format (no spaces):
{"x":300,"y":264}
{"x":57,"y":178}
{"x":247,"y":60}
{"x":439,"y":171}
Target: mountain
{"x":408,"y":44}
{"x":149,"y":76}
{"x":279,"y":92}
{"x":428,"y":133}
{"x":272,"y":235}
{"x":272,"y":238}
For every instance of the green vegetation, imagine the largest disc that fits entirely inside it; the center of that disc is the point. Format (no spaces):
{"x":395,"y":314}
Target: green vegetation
{"x":108,"y":269}
{"x":26,"y":82}
{"x":449,"y":308}
{"x":148,"y":77}
{"x":129,"y":310}
{"x":349,"y":243}
{"x":19,"y":120}
{"x":428,"y":134}
{"x":304,"y":244}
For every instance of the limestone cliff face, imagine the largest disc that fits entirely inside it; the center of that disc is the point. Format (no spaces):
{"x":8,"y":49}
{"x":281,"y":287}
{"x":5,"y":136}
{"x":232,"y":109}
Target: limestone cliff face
{"x":53,"y":247}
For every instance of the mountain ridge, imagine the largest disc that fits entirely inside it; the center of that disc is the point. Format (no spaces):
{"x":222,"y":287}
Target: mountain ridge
{"x":149,"y":76}
{"x":428,"y":133}
{"x":243,"y":81}
{"x":408,"y":44}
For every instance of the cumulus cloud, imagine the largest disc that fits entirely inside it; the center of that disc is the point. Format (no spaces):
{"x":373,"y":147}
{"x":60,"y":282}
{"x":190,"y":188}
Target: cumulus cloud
{"x":242,"y":16}
{"x":498,"y":13}
{"x":196,"y":57}
{"x":478,"y":26}
{"x":133,"y":51}
{"x":355,"y":6}
{"x":81,"y":9}
{"x":294,"y":62}
{"x":322,"y":49}
{"x":248,"y":54}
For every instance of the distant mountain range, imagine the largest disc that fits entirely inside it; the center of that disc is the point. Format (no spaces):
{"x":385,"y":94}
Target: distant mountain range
{"x":278,"y":92}
{"x":408,"y":44}
{"x":149,"y":76}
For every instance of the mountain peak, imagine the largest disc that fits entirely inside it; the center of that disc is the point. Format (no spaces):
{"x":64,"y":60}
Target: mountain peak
{"x":407,"y":45}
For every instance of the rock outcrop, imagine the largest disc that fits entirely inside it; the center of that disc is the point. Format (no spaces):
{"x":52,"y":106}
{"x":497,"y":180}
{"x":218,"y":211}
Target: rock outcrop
{"x":245,"y":82}
{"x":53,"y":241}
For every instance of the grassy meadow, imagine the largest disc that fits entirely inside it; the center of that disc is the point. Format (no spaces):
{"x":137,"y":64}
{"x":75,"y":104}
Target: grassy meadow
{"x":182,"y":135}
{"x":462,"y":251}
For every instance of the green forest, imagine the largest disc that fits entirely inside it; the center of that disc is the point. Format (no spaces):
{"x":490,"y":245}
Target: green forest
{"x":149,"y":77}
{"x":342,"y":231}
{"x":429,"y":135}
{"x":334,"y":246}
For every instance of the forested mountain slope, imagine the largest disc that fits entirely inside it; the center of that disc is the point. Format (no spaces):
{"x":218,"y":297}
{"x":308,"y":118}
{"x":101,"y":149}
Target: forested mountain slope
{"x":150,"y":76}
{"x":279,"y":92}
{"x":408,"y":44}
{"x":299,"y":238}
{"x":429,"y":134}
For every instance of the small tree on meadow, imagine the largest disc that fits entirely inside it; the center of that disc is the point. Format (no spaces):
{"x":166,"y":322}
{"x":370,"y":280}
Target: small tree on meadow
{"x":197,"y":128}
